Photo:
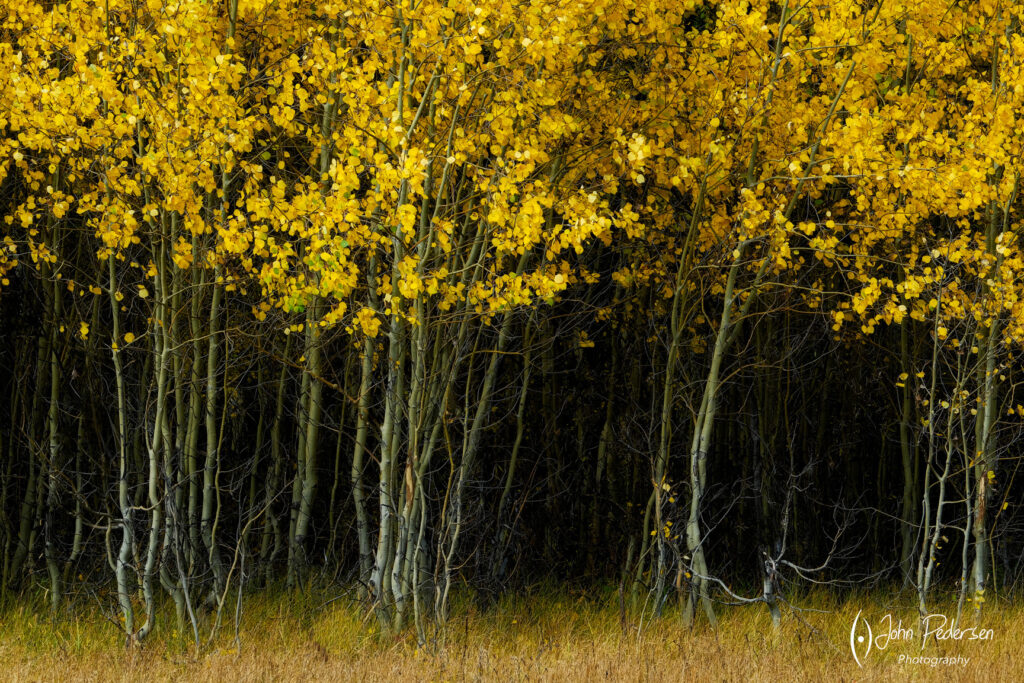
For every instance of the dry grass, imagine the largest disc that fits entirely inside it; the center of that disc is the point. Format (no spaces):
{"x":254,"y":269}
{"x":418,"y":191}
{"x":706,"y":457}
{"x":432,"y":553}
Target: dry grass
{"x":558,"y":638}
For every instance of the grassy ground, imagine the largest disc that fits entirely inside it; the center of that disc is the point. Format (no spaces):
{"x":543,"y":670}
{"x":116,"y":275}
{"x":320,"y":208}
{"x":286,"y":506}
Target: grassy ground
{"x":552,"y":636}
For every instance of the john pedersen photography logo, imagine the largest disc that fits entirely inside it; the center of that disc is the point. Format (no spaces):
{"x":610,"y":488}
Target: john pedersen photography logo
{"x":864,"y":638}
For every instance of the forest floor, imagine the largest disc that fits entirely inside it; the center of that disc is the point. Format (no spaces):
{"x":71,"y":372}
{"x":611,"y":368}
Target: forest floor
{"x":548,"y":637}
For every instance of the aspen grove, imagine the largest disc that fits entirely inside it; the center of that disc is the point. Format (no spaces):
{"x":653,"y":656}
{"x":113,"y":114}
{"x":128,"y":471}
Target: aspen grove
{"x":706,"y":301}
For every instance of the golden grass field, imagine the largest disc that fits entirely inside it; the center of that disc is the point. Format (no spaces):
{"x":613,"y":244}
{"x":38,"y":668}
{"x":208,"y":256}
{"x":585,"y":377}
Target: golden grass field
{"x":544,"y":638}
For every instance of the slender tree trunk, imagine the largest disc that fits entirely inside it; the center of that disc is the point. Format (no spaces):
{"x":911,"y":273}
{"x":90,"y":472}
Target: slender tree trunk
{"x":123,"y":489}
